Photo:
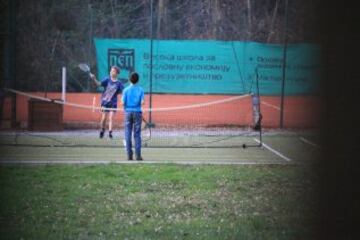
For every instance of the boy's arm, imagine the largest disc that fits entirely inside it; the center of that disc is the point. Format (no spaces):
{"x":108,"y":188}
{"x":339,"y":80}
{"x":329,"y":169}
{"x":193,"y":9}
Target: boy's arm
{"x":123,"y":99}
{"x":97,"y":82}
{"x":142,"y":98}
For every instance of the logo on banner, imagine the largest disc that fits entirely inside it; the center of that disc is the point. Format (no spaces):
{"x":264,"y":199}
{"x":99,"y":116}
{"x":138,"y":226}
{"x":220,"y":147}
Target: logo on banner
{"x":123,"y":58}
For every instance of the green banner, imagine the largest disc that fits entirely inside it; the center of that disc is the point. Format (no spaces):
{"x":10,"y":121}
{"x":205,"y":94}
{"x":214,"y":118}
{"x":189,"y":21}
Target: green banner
{"x":212,"y":67}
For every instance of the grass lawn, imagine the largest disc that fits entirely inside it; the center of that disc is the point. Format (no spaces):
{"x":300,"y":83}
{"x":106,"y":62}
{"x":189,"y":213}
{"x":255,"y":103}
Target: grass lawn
{"x":160,"y":201}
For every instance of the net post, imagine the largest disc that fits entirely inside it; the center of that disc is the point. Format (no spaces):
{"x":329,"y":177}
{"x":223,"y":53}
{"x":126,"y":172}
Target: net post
{"x":260,"y":114}
{"x":150,"y":123}
{"x":63,"y":84}
{"x":285,"y":43}
{"x":257,"y":116}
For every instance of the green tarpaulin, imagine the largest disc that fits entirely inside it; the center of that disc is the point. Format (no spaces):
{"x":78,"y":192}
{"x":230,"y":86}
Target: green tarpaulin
{"x":212,"y":67}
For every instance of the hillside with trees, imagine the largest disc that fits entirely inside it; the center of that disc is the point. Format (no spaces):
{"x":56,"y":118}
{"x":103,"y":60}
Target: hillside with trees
{"x":51,"y":34}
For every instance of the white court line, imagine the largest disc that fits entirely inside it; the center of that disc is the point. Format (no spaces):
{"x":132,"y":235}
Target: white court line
{"x":270,"y":105}
{"x":273,"y":150}
{"x":308,"y":142}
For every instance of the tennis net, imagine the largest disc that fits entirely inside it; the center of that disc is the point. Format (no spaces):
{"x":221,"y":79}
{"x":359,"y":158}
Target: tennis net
{"x":202,"y":121}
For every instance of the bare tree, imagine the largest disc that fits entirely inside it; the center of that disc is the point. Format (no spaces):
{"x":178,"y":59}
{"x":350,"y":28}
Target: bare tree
{"x":271,"y":29}
{"x":216,"y":17}
{"x":249,"y":15}
{"x":161,"y":28}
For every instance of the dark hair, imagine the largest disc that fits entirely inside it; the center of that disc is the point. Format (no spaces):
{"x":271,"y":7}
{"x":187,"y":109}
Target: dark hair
{"x":134,"y":77}
{"x":116,"y":68}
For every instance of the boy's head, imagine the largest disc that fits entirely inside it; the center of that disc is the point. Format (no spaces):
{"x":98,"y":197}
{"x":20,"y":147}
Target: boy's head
{"x":134,"y":77}
{"x":114,"y":71}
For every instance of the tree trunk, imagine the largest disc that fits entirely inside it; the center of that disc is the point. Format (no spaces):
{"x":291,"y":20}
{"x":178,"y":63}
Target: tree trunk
{"x":249,"y":31}
{"x":271,"y":31}
{"x":115,"y":27}
{"x":216,"y":17}
{"x":161,"y":31}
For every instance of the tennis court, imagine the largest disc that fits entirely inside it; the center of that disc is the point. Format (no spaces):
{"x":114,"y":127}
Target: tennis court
{"x":84,"y":146}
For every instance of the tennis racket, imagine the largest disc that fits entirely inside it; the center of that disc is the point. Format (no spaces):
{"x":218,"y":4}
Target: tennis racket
{"x":85,"y":68}
{"x":145,"y":133}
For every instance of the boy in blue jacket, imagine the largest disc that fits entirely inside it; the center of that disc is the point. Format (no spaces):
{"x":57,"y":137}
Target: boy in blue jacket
{"x":132,"y":100}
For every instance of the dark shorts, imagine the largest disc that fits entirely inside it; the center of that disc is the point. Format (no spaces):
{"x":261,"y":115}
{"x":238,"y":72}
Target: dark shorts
{"x":104,"y":107}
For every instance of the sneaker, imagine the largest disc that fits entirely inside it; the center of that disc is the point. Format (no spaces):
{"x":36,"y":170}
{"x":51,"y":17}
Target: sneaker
{"x":130,"y":158}
{"x":101,"y":134}
{"x":139,"y":158}
{"x":110,"y":135}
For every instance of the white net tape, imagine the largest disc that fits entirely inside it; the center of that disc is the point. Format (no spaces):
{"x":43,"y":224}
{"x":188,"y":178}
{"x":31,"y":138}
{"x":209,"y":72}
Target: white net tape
{"x":163,"y":109}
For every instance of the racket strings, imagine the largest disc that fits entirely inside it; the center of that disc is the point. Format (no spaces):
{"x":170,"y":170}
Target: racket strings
{"x":84,"y":67}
